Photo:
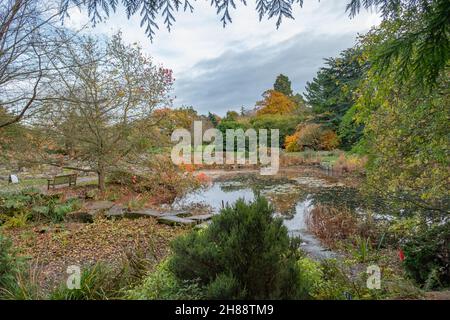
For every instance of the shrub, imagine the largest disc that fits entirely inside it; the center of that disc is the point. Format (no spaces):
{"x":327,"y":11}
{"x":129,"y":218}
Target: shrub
{"x":15,"y":281}
{"x":291,"y":143}
{"x":311,"y":136}
{"x":329,"y":140}
{"x":286,"y":124}
{"x":245,"y":253}
{"x":10,"y":266}
{"x":310,"y":275}
{"x":427,"y":257}
{"x":163,"y":285}
{"x":29,"y":204}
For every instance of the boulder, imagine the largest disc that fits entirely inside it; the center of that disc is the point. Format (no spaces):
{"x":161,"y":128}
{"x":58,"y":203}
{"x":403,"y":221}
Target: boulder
{"x":143,"y":213}
{"x":96,"y":207}
{"x":117,"y":211}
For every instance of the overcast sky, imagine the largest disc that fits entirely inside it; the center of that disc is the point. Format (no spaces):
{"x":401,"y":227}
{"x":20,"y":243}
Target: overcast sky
{"x":218,"y":69}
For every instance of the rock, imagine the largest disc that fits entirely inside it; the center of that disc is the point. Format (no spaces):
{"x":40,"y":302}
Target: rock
{"x":174,"y":220}
{"x":97,"y":206}
{"x":80,"y":216}
{"x":13,"y":179}
{"x":143,"y":213}
{"x":117,"y":211}
{"x":202,"y":217}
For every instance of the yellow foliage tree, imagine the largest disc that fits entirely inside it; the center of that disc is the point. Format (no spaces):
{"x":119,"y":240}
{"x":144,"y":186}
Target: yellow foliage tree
{"x":275,"y":102}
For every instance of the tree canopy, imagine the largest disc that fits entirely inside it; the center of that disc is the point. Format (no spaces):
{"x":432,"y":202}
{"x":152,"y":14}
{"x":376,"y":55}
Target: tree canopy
{"x":283,"y":84}
{"x":331,"y":94}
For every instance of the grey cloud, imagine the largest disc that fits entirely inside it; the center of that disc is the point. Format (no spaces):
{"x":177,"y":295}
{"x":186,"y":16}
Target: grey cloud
{"x":239,"y":77}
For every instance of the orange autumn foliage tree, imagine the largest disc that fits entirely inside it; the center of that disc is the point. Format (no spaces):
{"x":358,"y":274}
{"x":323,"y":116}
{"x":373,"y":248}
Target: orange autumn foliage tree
{"x":312,"y":136}
{"x":275,"y":102}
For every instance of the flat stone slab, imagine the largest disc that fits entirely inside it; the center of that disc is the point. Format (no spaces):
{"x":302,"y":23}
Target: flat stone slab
{"x":117,"y":211}
{"x":143,"y":213}
{"x":174,"y":220}
{"x":99,"y":205}
{"x":202,"y":217}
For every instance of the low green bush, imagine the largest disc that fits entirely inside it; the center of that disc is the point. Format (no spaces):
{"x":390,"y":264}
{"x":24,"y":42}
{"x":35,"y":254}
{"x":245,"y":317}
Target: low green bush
{"x":162,"y":284}
{"x":16,"y":208}
{"x":9,"y":266}
{"x":98,"y":282}
{"x":15,"y":281}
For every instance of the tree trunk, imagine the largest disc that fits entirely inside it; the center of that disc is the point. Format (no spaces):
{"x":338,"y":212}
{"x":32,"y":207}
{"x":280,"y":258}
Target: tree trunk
{"x":101,"y":179}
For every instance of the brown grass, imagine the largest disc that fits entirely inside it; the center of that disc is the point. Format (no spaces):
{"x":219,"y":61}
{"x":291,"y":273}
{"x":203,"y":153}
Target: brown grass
{"x":290,"y":161}
{"x":331,"y":224}
{"x":349,"y":164}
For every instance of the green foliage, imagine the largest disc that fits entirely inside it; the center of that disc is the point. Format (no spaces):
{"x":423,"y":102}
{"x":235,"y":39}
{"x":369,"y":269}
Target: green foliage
{"x":283,"y":84}
{"x":417,"y":46}
{"x":29,"y":204}
{"x":214,"y":119}
{"x":427,"y":257}
{"x":285,"y":123}
{"x":16,"y":282}
{"x":162,"y":284}
{"x":406,"y":135}
{"x":230,"y":122}
{"x":98,"y":282}
{"x":363,"y":249}
{"x":244,"y":253}
{"x":310,"y":275}
{"x":10,"y":266}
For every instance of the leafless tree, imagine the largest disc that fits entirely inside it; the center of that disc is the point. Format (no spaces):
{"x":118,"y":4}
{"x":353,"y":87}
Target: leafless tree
{"x":26,"y":27}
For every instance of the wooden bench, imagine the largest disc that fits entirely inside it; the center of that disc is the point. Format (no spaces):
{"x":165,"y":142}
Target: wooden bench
{"x":70,"y":179}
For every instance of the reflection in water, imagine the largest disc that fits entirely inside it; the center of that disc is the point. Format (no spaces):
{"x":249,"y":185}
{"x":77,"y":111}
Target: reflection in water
{"x":292,"y":202}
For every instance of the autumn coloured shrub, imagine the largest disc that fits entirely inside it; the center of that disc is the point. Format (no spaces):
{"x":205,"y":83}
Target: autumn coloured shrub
{"x":291,"y":143}
{"x":329,"y":140}
{"x":313,"y":137}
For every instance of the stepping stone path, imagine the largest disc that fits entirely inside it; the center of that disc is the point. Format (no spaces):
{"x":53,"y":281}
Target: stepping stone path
{"x":143,"y":213}
{"x":202,"y":218}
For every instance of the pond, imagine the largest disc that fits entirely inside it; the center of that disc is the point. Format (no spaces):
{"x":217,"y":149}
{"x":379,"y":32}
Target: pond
{"x":292,"y":196}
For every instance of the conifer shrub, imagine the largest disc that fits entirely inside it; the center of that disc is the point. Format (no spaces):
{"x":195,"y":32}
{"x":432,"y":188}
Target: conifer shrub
{"x":246,"y":253}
